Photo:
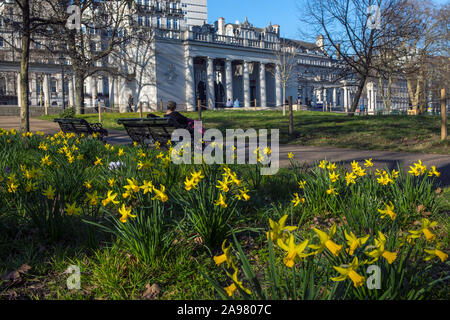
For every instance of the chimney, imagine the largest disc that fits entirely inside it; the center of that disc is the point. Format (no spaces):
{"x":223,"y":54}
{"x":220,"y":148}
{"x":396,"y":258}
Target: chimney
{"x":221,"y":26}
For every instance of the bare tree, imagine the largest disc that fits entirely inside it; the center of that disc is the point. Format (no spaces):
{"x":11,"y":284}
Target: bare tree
{"x":356,"y":30}
{"x":286,"y":59}
{"x":22,"y":18}
{"x":105,"y":26}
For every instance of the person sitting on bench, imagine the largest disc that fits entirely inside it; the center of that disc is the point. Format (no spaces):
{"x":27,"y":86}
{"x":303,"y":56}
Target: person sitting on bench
{"x":177,"y":120}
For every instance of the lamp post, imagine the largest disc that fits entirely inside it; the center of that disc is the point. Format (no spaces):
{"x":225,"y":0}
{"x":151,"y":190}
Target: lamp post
{"x":61,"y":62}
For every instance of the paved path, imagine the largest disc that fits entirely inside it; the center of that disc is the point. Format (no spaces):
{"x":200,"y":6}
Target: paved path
{"x":303,"y":154}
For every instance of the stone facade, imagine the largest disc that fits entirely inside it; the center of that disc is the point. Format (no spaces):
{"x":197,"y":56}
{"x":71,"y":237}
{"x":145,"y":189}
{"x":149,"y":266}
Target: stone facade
{"x":191,"y":63}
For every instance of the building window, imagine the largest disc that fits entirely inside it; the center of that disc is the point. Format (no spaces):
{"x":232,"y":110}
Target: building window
{"x":158,"y":22}
{"x":1,"y":42}
{"x":53,"y":85}
{"x":175,"y":24}
{"x":147,"y":21}
{"x":140,"y":20}
{"x":169,"y":23}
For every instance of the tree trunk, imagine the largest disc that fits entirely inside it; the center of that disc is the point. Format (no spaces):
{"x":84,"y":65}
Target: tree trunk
{"x":24,"y":62}
{"x":443,"y":116}
{"x":79,"y":92}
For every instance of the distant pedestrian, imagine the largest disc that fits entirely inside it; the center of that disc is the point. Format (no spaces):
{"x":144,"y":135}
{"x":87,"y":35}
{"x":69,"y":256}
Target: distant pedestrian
{"x":229,"y":103}
{"x":130,"y":103}
{"x":236,"y":103}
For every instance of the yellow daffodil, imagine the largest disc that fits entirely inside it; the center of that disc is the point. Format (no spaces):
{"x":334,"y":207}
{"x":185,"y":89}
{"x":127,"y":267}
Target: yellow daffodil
{"x":293,"y":250}
{"x":231,"y":289}
{"x":350,"y":178}
{"x":301,"y":184}
{"x":110,"y":198}
{"x":160,"y":194}
{"x":221,"y":202}
{"x":297,"y":200}
{"x":436,"y":252}
{"x":189,"y":184}
{"x":126,"y":213}
{"x":354,"y":242}
{"x":425,"y":229}
{"x":290,"y":155}
{"x":389,"y":210}
{"x":332,"y":191}
{"x":326,"y":242}
{"x":243,"y":195}
{"x":121,"y":152}
{"x":360,"y":172}
{"x":380,"y":251}
{"x":12,"y":186}
{"x":225,"y":257}
{"x":30,"y":186}
{"x":350,"y":272}
{"x":88,"y":184}
{"x":323,"y":164}
{"x":197,"y":176}
{"x":49,"y":193}
{"x":223,"y":185}
{"x":147,"y":187}
{"x":368,"y":163}
{"x":132,"y":185}
{"x":46,"y":160}
{"x":279,"y":228}
{"x":434,"y":172}
{"x":92,"y":198}
{"x":333,"y":176}
{"x":98,"y":162}
{"x":331,"y":166}
{"x":111,"y":182}
{"x":71,"y":209}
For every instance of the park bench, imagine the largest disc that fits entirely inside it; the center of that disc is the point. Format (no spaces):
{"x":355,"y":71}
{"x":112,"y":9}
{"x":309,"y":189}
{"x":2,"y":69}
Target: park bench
{"x":82,"y":127}
{"x":148,"y":130}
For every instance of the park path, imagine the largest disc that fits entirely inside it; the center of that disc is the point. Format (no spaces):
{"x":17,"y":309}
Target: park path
{"x":303,"y":154}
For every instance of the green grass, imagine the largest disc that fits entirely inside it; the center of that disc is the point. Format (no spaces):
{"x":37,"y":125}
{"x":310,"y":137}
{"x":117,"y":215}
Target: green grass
{"x":393,"y":133}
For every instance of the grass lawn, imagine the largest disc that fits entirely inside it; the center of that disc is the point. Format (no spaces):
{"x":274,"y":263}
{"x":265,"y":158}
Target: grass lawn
{"x":395,"y":133}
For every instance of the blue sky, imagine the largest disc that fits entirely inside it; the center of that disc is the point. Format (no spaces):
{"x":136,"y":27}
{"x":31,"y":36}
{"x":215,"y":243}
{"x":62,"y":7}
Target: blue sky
{"x":260,"y":12}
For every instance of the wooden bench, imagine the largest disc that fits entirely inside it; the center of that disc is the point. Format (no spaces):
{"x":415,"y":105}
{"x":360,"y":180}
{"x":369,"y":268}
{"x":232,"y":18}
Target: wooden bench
{"x":148,"y":130}
{"x":81,"y":126}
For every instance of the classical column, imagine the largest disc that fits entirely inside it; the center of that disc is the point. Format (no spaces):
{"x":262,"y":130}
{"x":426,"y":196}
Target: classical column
{"x":93,"y":91}
{"x":111,"y":91}
{"x":46,"y":90}
{"x":278,"y":93}
{"x":346,"y":99}
{"x":190,"y":82}
{"x":229,"y":79}
{"x":262,"y":84}
{"x":19,"y":92}
{"x":210,"y":77}
{"x":71,"y":92}
{"x":246,"y":81}
{"x":334,"y":98}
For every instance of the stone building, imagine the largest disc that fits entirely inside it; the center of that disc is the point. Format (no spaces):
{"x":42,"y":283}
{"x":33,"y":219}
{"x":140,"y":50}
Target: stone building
{"x":188,"y":61}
